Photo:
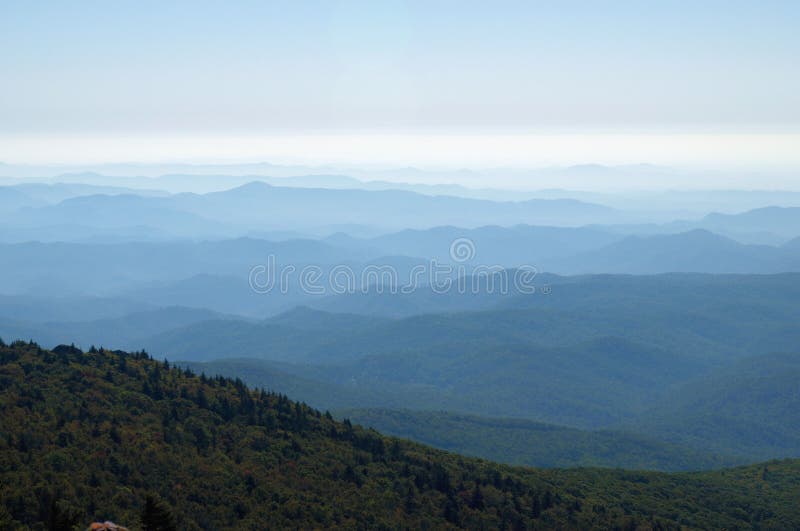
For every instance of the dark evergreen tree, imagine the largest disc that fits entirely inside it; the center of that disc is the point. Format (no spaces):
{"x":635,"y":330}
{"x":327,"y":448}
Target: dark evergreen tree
{"x":156,"y":516}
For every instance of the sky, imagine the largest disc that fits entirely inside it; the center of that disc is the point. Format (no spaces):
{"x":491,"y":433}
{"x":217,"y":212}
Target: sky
{"x":144,"y":74}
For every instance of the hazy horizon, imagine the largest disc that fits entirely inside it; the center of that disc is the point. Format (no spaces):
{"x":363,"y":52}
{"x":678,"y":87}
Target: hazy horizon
{"x":501,"y":162}
{"x":708,"y":90}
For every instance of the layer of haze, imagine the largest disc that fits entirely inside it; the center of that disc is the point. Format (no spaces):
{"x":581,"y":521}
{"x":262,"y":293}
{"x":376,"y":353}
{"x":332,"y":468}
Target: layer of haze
{"x":434,"y":84}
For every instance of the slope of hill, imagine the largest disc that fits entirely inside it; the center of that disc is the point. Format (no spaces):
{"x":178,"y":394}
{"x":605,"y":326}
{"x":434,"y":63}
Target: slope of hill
{"x":88,"y":436}
{"x":694,"y":251}
{"x":56,"y":191}
{"x":121,"y":211}
{"x":717,"y":294}
{"x":421,"y":300}
{"x":224,"y":293}
{"x":792,"y":245}
{"x":82,"y":233}
{"x":305,"y":318}
{"x":522,"y":442}
{"x":287,"y":380}
{"x":261,"y":340}
{"x":57,"y":268}
{"x":784,"y":221}
{"x":12,"y":200}
{"x":79,"y":308}
{"x":506,"y":246}
{"x":751,"y":407}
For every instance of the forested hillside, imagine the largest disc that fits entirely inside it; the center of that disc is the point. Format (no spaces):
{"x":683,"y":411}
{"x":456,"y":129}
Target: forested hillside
{"x":92,"y":435}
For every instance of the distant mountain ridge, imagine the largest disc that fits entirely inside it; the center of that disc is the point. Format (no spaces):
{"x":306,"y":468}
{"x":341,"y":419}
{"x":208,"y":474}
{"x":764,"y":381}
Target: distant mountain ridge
{"x":259,"y":205}
{"x":695,"y":251}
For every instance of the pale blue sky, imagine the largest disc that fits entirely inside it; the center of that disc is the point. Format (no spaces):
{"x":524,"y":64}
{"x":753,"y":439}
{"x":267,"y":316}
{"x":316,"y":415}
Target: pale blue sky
{"x":224,"y":67}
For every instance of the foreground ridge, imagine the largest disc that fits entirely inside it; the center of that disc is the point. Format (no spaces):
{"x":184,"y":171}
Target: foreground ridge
{"x":103,"y":435}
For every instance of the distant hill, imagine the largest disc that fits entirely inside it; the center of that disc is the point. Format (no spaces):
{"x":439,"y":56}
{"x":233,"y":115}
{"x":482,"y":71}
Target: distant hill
{"x":286,"y":379}
{"x":259,"y":203}
{"x":57,"y":192}
{"x":694,"y":251}
{"x":121,"y":332}
{"x":262,"y":340}
{"x":522,"y":442}
{"x":73,"y":268}
{"x":751,"y":407}
{"x":305,"y":318}
{"x":259,"y":206}
{"x":12,"y":199}
{"x":224,"y":293}
{"x":506,"y":246}
{"x":90,"y":436}
{"x":784,"y":221}
{"x":46,"y":308}
{"x":121,"y":212}
{"x":82,"y":233}
{"x":478,"y":293}
{"x":793,"y":245}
